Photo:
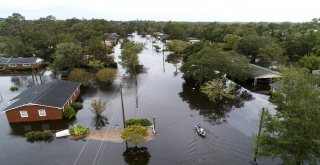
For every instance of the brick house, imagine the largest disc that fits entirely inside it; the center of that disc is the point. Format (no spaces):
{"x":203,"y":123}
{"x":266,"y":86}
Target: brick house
{"x":44,"y":102}
{"x":20,"y":62}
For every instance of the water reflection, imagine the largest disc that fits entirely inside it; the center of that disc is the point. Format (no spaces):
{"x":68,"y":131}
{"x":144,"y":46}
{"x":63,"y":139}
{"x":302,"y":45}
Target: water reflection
{"x":28,"y":80}
{"x":88,"y":92}
{"x":100,"y":121}
{"x":174,"y":59}
{"x":20,"y":129}
{"x":136,"y":156}
{"x":214,"y":112}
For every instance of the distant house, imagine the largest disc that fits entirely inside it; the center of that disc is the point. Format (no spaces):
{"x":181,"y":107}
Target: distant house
{"x":20,"y":62}
{"x":193,"y":40}
{"x":160,"y":36}
{"x":44,"y":102}
{"x":263,"y":75}
{"x":111,"y":39}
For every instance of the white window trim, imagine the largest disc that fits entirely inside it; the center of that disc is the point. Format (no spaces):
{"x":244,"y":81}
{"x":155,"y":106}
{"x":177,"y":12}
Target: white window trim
{"x":24,"y":115}
{"x":12,"y":65}
{"x":42,"y":110}
{"x":26,"y":64}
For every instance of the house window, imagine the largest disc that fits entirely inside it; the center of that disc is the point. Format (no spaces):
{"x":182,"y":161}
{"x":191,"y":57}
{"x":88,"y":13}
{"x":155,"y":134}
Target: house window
{"x":23,"y":113}
{"x":42,"y":112}
{"x":26,"y":64}
{"x":12,"y":65}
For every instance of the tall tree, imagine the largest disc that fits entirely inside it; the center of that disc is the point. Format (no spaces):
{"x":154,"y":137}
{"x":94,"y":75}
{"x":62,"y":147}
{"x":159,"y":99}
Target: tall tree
{"x":212,"y":62}
{"x":231,"y":40}
{"x":250,"y":45}
{"x":129,"y":54}
{"x":272,"y":52}
{"x":177,"y":46}
{"x":293,"y":133}
{"x":311,"y":62}
{"x":216,"y":89}
{"x":97,"y":51}
{"x":68,"y":56}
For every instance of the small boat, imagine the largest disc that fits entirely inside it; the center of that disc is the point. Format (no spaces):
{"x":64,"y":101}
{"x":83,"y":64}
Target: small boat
{"x":200,"y":130}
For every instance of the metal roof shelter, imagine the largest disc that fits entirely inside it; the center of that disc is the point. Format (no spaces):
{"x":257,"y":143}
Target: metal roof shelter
{"x":260,"y":73}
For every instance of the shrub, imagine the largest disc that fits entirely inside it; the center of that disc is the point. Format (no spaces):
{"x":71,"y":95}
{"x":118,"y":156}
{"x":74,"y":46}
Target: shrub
{"x":81,"y":76}
{"x":23,"y":68}
{"x":107,"y":75}
{"x":69,"y":112}
{"x":135,"y":134}
{"x":39,"y":135}
{"x":98,"y":106}
{"x":142,"y":122}
{"x":77,"y":106}
{"x":157,"y":47}
{"x":97,"y":64}
{"x":79,"y":130}
{"x":14,"y":88}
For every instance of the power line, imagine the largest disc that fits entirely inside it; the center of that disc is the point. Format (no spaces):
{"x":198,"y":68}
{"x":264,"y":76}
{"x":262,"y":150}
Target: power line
{"x":104,"y":146}
{"x":83,"y":147}
{"x":112,"y":119}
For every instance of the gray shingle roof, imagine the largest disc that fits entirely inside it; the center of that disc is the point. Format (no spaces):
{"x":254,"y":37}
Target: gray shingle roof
{"x":54,"y":94}
{"x":26,"y":60}
{"x":4,"y":61}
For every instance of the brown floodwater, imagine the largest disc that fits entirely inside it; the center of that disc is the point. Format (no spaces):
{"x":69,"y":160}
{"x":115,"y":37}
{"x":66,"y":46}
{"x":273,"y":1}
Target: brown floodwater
{"x":158,"y":91}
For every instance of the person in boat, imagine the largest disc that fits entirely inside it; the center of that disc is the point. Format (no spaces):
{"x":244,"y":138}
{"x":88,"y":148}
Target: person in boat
{"x":200,"y":129}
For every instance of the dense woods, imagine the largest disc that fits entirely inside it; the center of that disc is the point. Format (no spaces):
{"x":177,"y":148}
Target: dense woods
{"x":41,"y":37}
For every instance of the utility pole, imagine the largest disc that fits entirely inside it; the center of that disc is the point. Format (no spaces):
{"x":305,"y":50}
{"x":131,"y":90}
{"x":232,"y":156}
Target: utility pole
{"x":136,"y":83}
{"x":260,"y":125}
{"x":1,"y":99}
{"x":123,"y":115}
{"x":163,"y":64}
{"x":154,"y":125}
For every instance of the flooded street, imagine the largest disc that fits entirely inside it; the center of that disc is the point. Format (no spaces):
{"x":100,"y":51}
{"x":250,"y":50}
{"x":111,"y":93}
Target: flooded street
{"x":159,"y":92}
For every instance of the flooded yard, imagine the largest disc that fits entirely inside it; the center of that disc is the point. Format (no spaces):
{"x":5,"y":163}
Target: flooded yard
{"x":159,"y":92}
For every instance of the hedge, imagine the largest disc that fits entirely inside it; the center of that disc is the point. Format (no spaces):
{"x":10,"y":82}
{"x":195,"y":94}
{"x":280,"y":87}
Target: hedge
{"x":77,"y":106}
{"x":39,"y":135}
{"x":143,"y":122}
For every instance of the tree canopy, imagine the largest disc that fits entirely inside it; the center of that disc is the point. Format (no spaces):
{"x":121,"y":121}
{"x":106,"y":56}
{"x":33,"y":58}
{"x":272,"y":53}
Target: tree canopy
{"x":68,"y":56}
{"x":216,"y":89}
{"x":129,"y":54}
{"x":293,"y":133}
{"x":212,"y":62}
{"x":177,"y":46}
{"x":39,"y":37}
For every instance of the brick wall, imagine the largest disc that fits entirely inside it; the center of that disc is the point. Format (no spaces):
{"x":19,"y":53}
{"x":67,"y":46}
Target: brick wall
{"x":33,"y":114}
{"x":73,"y":98}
